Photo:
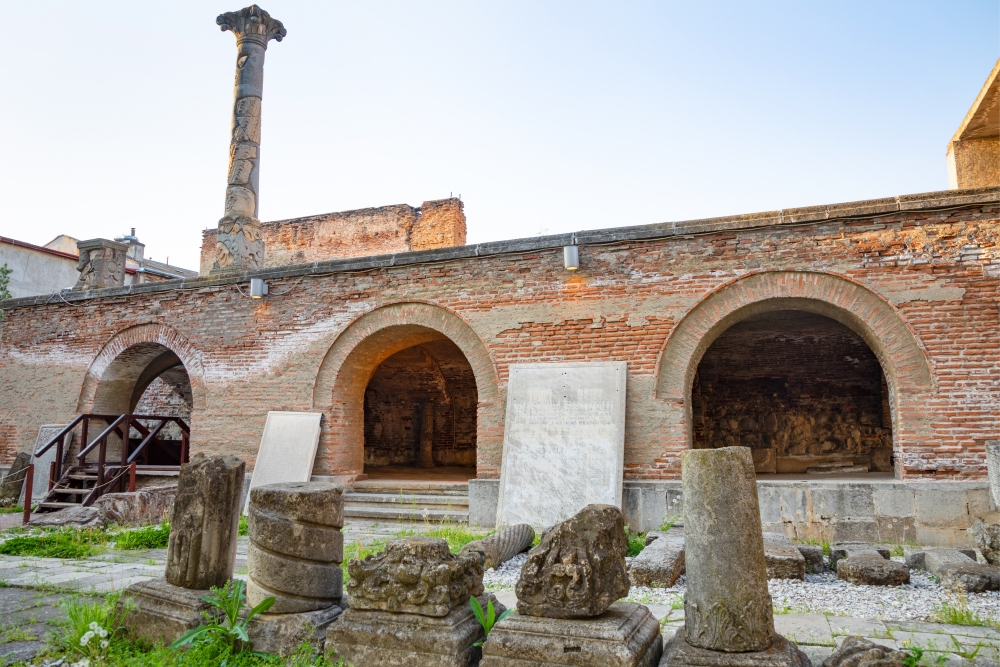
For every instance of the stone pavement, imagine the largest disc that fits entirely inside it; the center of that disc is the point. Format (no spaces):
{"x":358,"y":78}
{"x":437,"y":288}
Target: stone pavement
{"x":28,"y":617}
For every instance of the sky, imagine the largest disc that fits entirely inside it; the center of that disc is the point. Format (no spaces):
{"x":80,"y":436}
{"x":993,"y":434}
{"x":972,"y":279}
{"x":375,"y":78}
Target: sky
{"x":545,"y":116}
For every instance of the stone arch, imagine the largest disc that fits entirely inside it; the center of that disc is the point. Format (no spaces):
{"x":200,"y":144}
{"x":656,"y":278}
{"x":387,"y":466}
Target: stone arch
{"x":359,"y":350}
{"x":127,"y":363}
{"x":904,"y":362}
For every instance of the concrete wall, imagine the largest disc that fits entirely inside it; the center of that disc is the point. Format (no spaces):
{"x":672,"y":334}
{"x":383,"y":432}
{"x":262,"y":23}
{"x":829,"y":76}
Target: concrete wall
{"x":926,"y":513}
{"x":37,"y":271}
{"x":365,"y":232}
{"x":917,"y":277}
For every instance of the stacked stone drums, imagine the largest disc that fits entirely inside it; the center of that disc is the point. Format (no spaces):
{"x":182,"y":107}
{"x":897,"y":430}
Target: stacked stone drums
{"x":409,"y":605}
{"x":567,"y":609}
{"x":728,"y":616}
{"x":294,"y":556}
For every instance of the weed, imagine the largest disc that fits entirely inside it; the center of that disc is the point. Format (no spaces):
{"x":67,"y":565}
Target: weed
{"x":13,"y":634}
{"x":636,"y":542}
{"x":224,"y":630}
{"x":150,"y":537}
{"x":244,"y":529}
{"x":487,"y":618}
{"x":456,"y":535}
{"x":959,"y":614}
{"x":4,"y":583}
{"x":63,"y":543}
{"x":897,"y":550}
{"x":15,"y":509}
{"x":668,"y":523}
{"x":90,"y":626}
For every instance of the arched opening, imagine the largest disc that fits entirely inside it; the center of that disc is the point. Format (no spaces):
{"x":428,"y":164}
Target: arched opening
{"x":420,"y":414}
{"x":805,"y":392}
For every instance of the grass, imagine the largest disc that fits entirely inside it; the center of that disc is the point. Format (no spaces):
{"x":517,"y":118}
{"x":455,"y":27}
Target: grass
{"x":360,"y":550}
{"x":150,"y":537}
{"x":668,"y":523}
{"x":13,"y":634}
{"x":15,"y":509}
{"x":820,"y":543}
{"x":959,"y":614}
{"x":897,"y":550}
{"x":62,"y":543}
{"x":636,"y":542}
{"x":456,"y":535}
{"x":244,"y":526}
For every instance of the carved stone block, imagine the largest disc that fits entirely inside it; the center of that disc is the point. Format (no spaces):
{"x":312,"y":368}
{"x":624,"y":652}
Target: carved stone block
{"x":205,"y":521}
{"x":101,"y":264}
{"x":781,"y":653}
{"x":283,"y":634}
{"x":162,"y":611}
{"x":578,"y":570}
{"x":626,"y":635}
{"x":415,"y":575}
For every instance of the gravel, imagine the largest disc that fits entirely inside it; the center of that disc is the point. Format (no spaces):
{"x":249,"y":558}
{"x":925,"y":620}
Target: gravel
{"x":819,"y":593}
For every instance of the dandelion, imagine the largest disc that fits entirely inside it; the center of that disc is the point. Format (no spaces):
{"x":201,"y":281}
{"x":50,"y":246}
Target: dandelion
{"x":104,"y":644}
{"x":87,"y":636}
{"x":102,"y":632}
{"x":94,"y":625}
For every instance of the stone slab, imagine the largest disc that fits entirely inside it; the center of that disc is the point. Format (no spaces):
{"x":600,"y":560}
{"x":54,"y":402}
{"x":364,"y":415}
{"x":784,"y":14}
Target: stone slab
{"x":387,"y":639}
{"x":11,"y":487}
{"x":804,"y":628}
{"x":287,"y":449}
{"x":661,"y":562}
{"x":626,"y":635}
{"x":782,"y":653}
{"x":993,"y":472}
{"x":162,"y":611}
{"x":40,"y":480}
{"x":283,"y":634}
{"x":782,"y":558}
{"x":554,"y":410}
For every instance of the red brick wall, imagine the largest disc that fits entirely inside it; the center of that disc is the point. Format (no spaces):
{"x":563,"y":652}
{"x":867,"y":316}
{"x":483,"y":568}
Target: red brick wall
{"x":923,"y":282}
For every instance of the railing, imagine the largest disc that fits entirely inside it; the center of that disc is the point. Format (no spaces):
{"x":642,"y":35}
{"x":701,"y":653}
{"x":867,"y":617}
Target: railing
{"x":120,"y":425}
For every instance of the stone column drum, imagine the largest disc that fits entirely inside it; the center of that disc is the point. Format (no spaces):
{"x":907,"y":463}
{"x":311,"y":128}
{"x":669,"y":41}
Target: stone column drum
{"x":240,"y":245}
{"x":728,"y":617}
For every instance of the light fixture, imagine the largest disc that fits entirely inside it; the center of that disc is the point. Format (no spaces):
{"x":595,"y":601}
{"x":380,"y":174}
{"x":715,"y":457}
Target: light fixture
{"x":258,"y":288}
{"x":571,"y":257}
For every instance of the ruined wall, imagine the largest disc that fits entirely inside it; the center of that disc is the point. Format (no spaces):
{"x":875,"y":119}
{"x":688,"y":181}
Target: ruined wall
{"x":800,"y":389}
{"x":931,"y":262}
{"x":369,"y":231}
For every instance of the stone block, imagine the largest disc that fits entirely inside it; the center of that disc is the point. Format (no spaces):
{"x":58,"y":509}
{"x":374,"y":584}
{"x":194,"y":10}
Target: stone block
{"x":626,"y":635}
{"x":782,"y":559}
{"x":578,"y":569}
{"x":553,"y":408}
{"x":661,"y":562}
{"x":940,"y":506}
{"x":13,"y":481}
{"x":959,"y":573}
{"x":781,"y":653}
{"x":764,"y":460}
{"x":872,"y":570}
{"x":986,"y":537}
{"x":318,"y":503}
{"x":287,"y":449}
{"x":894,"y":500}
{"x":813,"y":555}
{"x":484,"y":494}
{"x":321,"y":582}
{"x":896,"y":530}
{"x":844,"y":502}
{"x":283,"y":634}
{"x":858,"y":652}
{"x":840,"y":550}
{"x":43,"y":463}
{"x":162,"y":611}
{"x":915,"y":558}
{"x":387,"y":639}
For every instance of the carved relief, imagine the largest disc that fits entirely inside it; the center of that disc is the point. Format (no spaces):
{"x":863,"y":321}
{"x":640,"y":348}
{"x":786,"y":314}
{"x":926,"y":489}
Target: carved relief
{"x":247,"y":120}
{"x":253,"y":21}
{"x":746,"y":629}
{"x":101,"y":264}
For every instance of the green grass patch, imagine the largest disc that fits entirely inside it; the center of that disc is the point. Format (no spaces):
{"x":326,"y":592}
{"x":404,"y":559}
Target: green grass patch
{"x":244,"y":526}
{"x":636,"y":542}
{"x":457,"y":536}
{"x":63,"y":543}
{"x":959,"y":614}
{"x":14,"y":509}
{"x":150,"y":537}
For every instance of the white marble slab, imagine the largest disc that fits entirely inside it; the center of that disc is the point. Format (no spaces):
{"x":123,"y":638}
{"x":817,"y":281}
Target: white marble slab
{"x":40,"y":480}
{"x":564,"y":441}
{"x":287,"y":449}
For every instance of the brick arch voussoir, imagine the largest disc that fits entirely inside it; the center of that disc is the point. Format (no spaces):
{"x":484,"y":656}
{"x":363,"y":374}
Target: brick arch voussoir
{"x":160,"y":334}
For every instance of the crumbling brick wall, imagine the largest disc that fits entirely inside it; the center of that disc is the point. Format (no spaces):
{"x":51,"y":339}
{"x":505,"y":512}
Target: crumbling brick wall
{"x":370,"y":231}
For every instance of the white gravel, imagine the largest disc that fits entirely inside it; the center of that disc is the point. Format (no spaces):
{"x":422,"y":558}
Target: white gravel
{"x":819,"y":593}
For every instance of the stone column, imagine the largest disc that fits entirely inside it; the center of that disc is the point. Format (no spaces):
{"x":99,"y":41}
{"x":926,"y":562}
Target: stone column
{"x":102,"y":264}
{"x":240,"y":245}
{"x":727,"y":606}
{"x":205,"y":522}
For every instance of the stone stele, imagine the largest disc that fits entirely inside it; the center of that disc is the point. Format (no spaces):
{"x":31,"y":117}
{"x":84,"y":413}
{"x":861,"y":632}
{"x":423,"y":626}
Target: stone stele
{"x":205,"y":521}
{"x":296,"y":546}
{"x":626,"y":635}
{"x":993,"y":471}
{"x":386,"y":639}
{"x":552,"y":409}
{"x":415,"y":575}
{"x":578,"y":570}
{"x":727,"y":609}
{"x":13,"y":481}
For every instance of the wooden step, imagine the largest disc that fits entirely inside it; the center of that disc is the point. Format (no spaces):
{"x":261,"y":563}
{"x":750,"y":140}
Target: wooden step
{"x":72,"y":492}
{"x":57,"y":505}
{"x":84,"y":478}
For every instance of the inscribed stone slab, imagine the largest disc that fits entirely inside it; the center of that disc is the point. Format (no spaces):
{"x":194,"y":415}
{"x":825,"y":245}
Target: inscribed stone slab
{"x":287,"y":449}
{"x":564,"y":441}
{"x":40,"y":481}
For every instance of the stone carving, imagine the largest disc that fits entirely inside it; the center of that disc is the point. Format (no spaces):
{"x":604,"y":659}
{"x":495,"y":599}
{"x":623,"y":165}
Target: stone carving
{"x":101,"y":264}
{"x":416,"y":575}
{"x":296,"y":546}
{"x":993,"y":470}
{"x":727,"y":608}
{"x":578,"y":570}
{"x":858,"y":652}
{"x":500,"y":547}
{"x":239,"y":243}
{"x":205,"y":522}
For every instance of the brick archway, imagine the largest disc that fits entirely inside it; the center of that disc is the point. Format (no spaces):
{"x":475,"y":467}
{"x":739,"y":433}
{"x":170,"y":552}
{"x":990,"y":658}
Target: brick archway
{"x":359,"y":350}
{"x":124,"y":362}
{"x":905,"y":363}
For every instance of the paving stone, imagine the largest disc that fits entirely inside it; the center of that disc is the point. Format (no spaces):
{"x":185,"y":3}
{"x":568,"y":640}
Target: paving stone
{"x":804,"y":628}
{"x":862,"y":627}
{"x":887,"y":643}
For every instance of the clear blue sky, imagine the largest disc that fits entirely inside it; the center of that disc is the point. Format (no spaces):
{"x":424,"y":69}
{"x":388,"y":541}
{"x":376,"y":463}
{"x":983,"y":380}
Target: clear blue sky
{"x":552,"y":116}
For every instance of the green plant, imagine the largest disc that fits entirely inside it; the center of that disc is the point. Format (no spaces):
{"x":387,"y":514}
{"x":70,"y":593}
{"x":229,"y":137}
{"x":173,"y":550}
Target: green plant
{"x":487,"y":618}
{"x":150,"y":537}
{"x":915,"y":655}
{"x":13,"y":634}
{"x":360,"y":550}
{"x":636,"y":542}
{"x":5,"y":272}
{"x":456,"y":535}
{"x":244,"y":529}
{"x":668,"y":523}
{"x":13,"y":509}
{"x":63,"y":543}
{"x":897,"y":550}
{"x":90,"y":626}
{"x":958,"y":613}
{"x":224,"y":630}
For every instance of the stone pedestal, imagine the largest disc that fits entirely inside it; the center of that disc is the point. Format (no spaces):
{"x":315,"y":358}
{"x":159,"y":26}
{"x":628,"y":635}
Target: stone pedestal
{"x":626,"y":635}
{"x":102,"y":264}
{"x":781,"y":653}
{"x":162,"y":611}
{"x":387,"y":639}
{"x":204,"y":524}
{"x":282,"y":634}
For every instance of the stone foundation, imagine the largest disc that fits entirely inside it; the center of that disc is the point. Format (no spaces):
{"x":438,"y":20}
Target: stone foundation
{"x":782,"y":653}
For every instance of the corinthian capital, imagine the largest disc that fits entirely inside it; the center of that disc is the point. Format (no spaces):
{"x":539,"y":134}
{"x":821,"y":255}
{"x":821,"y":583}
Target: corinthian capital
{"x":252,"y":22}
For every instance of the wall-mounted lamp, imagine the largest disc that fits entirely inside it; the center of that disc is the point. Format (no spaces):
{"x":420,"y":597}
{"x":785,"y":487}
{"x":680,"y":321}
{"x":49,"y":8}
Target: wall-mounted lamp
{"x":571,"y":257}
{"x":258,"y":288}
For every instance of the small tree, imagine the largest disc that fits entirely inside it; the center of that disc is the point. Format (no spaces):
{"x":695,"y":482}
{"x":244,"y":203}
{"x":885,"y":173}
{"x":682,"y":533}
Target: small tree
{"x":5,"y":272}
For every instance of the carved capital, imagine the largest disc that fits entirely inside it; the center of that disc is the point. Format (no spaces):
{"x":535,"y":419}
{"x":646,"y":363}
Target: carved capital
{"x":252,"y":23}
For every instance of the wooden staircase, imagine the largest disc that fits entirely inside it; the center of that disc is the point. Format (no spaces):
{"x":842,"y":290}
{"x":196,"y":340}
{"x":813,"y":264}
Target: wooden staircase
{"x":83,"y":483}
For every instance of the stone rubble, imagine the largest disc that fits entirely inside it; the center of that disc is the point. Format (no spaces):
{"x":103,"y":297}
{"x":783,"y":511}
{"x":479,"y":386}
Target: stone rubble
{"x":961,"y":574}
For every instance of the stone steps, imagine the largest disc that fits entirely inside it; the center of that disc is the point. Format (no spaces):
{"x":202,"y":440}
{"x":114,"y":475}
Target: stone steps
{"x":408,"y":501}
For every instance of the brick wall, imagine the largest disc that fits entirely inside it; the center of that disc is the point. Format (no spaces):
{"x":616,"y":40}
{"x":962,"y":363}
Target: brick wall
{"x":918,"y":278}
{"x":370,"y":231}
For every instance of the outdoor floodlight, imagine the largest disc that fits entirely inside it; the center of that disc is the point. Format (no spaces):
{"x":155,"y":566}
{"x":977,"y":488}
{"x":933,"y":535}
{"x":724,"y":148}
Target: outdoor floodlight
{"x":571,"y":257}
{"x":258,"y":288}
